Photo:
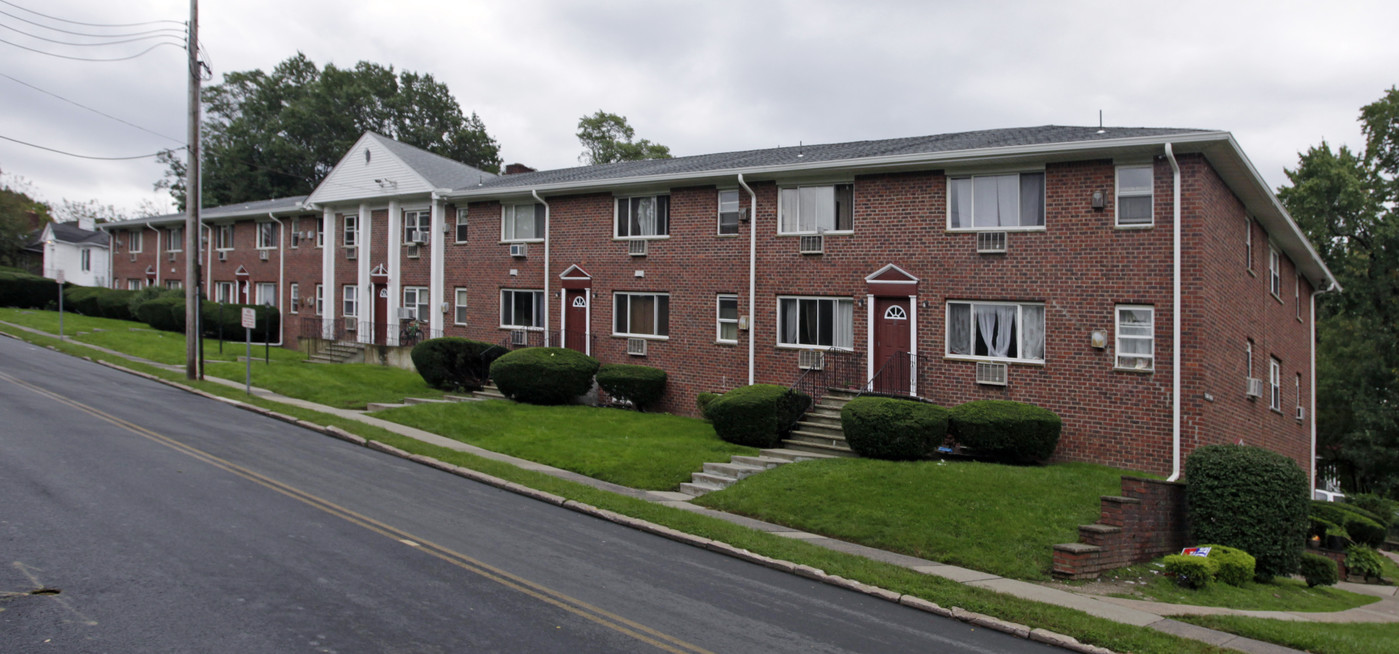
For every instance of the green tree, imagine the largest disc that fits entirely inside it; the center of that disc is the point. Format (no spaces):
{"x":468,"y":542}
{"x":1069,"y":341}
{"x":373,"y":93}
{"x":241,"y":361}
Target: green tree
{"x":276,"y":134}
{"x":20,"y":214}
{"x":1345,"y":202}
{"x":607,"y":138}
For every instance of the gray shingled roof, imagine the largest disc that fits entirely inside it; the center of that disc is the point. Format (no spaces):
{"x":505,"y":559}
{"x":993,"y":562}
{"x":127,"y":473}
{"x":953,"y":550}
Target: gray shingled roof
{"x":72,"y":233}
{"x":438,"y":170}
{"x":852,"y":151}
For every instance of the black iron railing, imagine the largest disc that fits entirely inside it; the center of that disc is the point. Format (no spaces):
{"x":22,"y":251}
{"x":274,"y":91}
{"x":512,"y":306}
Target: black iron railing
{"x":831,"y":368}
{"x":903,"y":374}
{"x":406,"y":333}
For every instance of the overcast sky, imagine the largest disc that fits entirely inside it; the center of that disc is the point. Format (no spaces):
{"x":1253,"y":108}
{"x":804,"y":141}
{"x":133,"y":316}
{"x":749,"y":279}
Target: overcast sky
{"x":715,"y":75}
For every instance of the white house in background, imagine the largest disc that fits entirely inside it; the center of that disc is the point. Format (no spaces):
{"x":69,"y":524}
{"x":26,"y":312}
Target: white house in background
{"x":78,"y":250}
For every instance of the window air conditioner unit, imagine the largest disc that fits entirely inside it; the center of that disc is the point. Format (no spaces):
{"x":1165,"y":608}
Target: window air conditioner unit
{"x":990,"y":242}
{"x":1301,"y":414}
{"x":1255,"y":387}
{"x":636,"y":248}
{"x":519,"y":249}
{"x":223,"y":255}
{"x":812,"y":244}
{"x":351,"y":323}
{"x":519,"y":337}
{"x":414,"y":251}
{"x":351,"y":254}
{"x":172,"y":256}
{"x":991,"y":374}
{"x":262,"y":255}
{"x":407,"y":313}
{"x":420,"y":238}
{"x":811,"y":360}
{"x":133,"y":256}
{"x":636,"y":347}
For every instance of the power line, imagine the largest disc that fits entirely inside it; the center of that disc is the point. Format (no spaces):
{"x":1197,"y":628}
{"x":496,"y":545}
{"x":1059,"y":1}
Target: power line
{"x":52,"y":54}
{"x":79,"y":156}
{"x":75,"y":22}
{"x":102,"y":36}
{"x":96,"y":111}
{"x":89,"y":45}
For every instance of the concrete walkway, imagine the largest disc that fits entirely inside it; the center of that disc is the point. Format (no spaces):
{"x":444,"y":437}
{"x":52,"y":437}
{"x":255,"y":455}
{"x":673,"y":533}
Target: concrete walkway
{"x":1125,"y":611}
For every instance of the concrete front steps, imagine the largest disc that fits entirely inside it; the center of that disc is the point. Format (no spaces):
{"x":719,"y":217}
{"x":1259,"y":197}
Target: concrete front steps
{"x":339,"y":352}
{"x":819,"y":431}
{"x":718,"y":476}
{"x":489,"y":392}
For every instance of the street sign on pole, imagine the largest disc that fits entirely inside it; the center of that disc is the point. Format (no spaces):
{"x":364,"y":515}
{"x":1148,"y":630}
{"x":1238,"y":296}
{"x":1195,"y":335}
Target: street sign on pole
{"x":60,"y":303}
{"x":249,"y":321}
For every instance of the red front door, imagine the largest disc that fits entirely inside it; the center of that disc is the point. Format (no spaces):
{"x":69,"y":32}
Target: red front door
{"x":381,"y":314}
{"x":891,"y":338}
{"x":576,"y":320}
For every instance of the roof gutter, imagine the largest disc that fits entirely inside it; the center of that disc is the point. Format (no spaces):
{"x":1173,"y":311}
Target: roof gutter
{"x":1175,"y":314}
{"x":1311,"y":346}
{"x":752,"y":267}
{"x":546,"y":265}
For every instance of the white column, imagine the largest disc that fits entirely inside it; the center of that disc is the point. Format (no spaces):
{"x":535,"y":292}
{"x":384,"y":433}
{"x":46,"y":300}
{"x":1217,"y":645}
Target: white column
{"x":436,"y":267}
{"x":869,"y":338}
{"x":331,"y":293}
{"x":366,"y":289}
{"x":913,"y":345}
{"x":395,"y":268}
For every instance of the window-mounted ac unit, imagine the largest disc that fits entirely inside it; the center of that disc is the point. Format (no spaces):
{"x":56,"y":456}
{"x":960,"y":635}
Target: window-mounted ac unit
{"x":519,"y":337}
{"x":420,"y":238}
{"x":636,"y":347}
{"x":1255,"y":387}
{"x":351,"y":254}
{"x":414,"y":251}
{"x":223,"y":255}
{"x":990,"y":242}
{"x":133,"y":256}
{"x":262,"y":255}
{"x":636,"y":248}
{"x":811,"y":360}
{"x":1301,"y":414}
{"x":172,"y":256}
{"x":407,"y":313}
{"x":815,"y":244}
{"x":991,"y":374}
{"x":519,"y":249}
{"x":351,"y":323}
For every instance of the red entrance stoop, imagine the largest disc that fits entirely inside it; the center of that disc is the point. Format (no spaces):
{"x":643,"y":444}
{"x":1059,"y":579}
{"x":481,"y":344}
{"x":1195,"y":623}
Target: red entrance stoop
{"x":1146,"y":521}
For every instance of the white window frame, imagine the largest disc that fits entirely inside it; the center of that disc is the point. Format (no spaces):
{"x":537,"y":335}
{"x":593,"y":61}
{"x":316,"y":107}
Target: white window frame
{"x":134,"y":284}
{"x":1150,"y":357}
{"x":223,"y":240}
{"x":537,"y":303}
{"x":266,"y":235}
{"x":294,"y":297}
{"x":320,"y":232}
{"x":135,"y":242}
{"x":720,"y":320}
{"x":1274,"y":384}
{"x":661,"y":219}
{"x":320,"y":299}
{"x":419,"y":302}
{"x":509,"y":217}
{"x":174,"y":284}
{"x":349,"y":301}
{"x":1275,"y":272}
{"x":835,"y":209}
{"x":656,"y":306}
{"x":462,"y":224}
{"x":351,"y":224}
{"x":416,"y":220}
{"x":294,"y":241}
{"x":459,"y":300}
{"x":1135,"y":192}
{"x":1248,"y":244}
{"x":85,"y":259}
{"x":735,"y":207}
{"x":225,"y":292}
{"x":835,"y":330}
{"x":952,"y":180}
{"x":973,"y":331}
{"x":1248,"y":351}
{"x":266,"y":294}
{"x":1297,"y":294}
{"x":176,"y":236}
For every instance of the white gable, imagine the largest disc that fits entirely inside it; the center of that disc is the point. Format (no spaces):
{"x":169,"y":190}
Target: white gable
{"x":369,"y":170}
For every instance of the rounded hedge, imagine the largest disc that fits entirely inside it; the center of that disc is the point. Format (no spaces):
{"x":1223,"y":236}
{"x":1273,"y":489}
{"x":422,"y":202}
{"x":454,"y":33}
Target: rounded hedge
{"x":1189,"y":571}
{"x":163,"y":313}
{"x":703,"y":400}
{"x":83,"y":300}
{"x":455,"y":363}
{"x":1252,"y":499}
{"x":26,"y":291}
{"x":643,"y":386}
{"x":757,"y":415}
{"x":150,"y":293}
{"x":1363,"y":530}
{"x":1318,"y":570}
{"x":893,"y":429}
{"x":1231,"y":565}
{"x":1010,"y":432}
{"x":116,"y":304}
{"x":544,"y":375}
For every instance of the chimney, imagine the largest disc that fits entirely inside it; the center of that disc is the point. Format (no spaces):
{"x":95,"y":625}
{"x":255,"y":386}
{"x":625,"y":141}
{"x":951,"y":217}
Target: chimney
{"x":87,"y":223}
{"x":517,"y":168}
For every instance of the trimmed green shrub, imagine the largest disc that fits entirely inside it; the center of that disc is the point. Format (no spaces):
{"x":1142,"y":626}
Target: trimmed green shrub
{"x":1231,"y":565}
{"x":163,"y":313}
{"x":757,"y":415}
{"x":229,"y":317}
{"x":1190,"y":571}
{"x":116,"y":304}
{"x":1318,"y":570}
{"x":1364,"y":531}
{"x":83,"y":300}
{"x":1365,"y":561}
{"x":455,"y":363}
{"x":1252,"y":499}
{"x":1011,"y":432}
{"x":702,"y":401}
{"x":643,"y":386}
{"x":1380,"y":508}
{"x":150,"y":293}
{"x":1321,"y":527}
{"x":544,"y":375}
{"x":25,"y":291}
{"x":893,"y":429}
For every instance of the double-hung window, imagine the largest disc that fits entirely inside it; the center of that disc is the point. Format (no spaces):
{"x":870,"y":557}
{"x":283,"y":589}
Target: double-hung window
{"x":522,"y":222}
{"x":1000,"y":331}
{"x":295,"y":234}
{"x":1297,"y":294}
{"x":1274,"y":384}
{"x":816,"y":209}
{"x":85,"y":259}
{"x":643,"y":217}
{"x":996,"y":202}
{"x":1134,"y":186}
{"x":521,"y":309}
{"x":266,"y":236}
{"x":1248,"y":359}
{"x":224,"y":240}
{"x":135,"y":241}
{"x":415,"y":300}
{"x":1248,"y":244}
{"x":1299,"y":396}
{"x":351,"y":231}
{"x":1136,"y":339}
{"x":641,"y":314}
{"x":223,"y":292}
{"x":320,"y":299}
{"x":459,"y":312}
{"x":267,"y":294}
{"x":729,"y":213}
{"x":294,"y":293}
{"x":816,"y":322}
{"x":350,"y":302}
{"x":417,"y":226}
{"x":727,"y":318}
{"x":461,"y":225}
{"x":1275,"y":272}
{"x":320,"y":232}
{"x":177,"y":240}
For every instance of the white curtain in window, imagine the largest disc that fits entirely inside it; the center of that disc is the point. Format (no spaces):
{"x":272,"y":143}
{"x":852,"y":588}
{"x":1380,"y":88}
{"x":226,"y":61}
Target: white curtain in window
{"x":818,"y":208}
{"x":523,"y":221}
{"x":789,"y":321}
{"x":845,"y":324}
{"x":961,"y":203}
{"x":1005,"y":320}
{"x":1032,"y":336}
{"x":643,"y":216}
{"x":790,"y":202}
{"x":959,"y":329}
{"x":1031,"y":200}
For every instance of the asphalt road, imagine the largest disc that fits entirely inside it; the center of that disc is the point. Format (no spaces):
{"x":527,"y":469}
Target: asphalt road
{"x":152,"y":520}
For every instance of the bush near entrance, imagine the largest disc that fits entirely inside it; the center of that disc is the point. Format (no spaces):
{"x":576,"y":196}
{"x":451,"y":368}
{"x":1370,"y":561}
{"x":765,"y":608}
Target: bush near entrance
{"x":893,"y":429}
{"x":1252,"y":499}
{"x":1008,"y":432}
{"x":642,"y":386}
{"x":756,"y":415}
{"x":544,"y":375}
{"x":453,"y":363}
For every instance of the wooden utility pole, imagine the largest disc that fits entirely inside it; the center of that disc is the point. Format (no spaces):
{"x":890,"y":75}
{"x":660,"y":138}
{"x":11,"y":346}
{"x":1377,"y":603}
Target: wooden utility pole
{"x":192,"y":201}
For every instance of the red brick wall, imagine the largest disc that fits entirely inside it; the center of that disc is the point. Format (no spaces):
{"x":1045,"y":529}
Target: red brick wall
{"x":1147,"y":521}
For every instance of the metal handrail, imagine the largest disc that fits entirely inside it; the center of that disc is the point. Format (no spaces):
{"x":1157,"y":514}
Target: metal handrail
{"x":837,"y":369}
{"x":902,"y":375}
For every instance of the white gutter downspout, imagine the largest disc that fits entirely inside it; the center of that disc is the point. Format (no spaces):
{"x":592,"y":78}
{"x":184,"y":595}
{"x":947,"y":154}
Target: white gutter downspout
{"x":752,"y":267}
{"x":1175,"y":315}
{"x":1311,"y":346}
{"x":546,"y":265}
{"x":281,"y":270}
{"x":208,"y":260}
{"x":157,"y":253}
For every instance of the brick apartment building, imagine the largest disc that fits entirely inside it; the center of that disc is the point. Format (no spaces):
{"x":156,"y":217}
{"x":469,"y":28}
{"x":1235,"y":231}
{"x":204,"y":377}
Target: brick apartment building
{"x":1035,"y":264}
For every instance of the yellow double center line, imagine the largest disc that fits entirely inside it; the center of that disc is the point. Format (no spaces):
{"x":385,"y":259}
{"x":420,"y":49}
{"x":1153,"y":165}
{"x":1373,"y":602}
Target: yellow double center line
{"x":544,"y":594}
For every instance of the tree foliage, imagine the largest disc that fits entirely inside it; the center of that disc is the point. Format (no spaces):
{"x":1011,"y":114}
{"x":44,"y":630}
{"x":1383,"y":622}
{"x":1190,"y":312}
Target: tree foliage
{"x":277,"y":134}
{"x":607,"y":138}
{"x":16,"y":224}
{"x":1346,"y":203}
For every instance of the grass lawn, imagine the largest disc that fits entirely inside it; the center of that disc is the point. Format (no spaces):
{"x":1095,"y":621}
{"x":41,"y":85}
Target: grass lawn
{"x":1318,"y":637}
{"x":654,"y":451}
{"x":135,"y":338}
{"x":995,"y":518}
{"x":344,"y":386}
{"x":1279,"y":595}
